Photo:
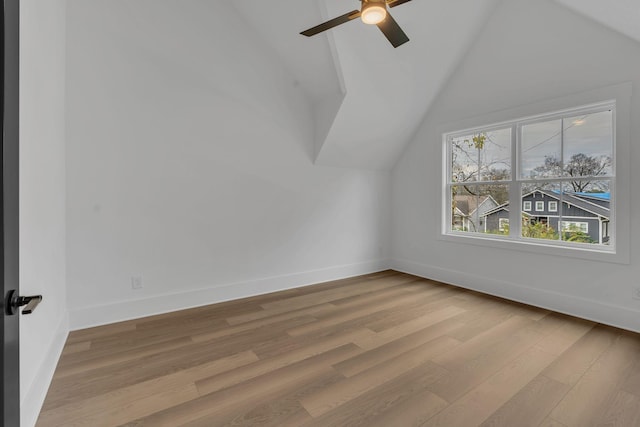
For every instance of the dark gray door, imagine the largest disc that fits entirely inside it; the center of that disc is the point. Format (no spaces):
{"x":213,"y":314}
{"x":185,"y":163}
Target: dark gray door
{"x":10,"y":411}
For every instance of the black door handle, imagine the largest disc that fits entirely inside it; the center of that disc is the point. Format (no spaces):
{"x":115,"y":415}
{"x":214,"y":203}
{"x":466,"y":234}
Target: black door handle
{"x":14,"y":302}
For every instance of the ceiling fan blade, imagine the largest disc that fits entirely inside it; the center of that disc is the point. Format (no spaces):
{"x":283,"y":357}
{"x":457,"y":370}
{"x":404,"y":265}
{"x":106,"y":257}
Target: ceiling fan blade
{"x":392,"y":31}
{"x":394,"y":3}
{"x":331,"y":23}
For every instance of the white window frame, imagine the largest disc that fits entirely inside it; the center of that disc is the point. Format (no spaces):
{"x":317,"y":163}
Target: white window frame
{"x":539,"y":205}
{"x":526,"y":206}
{"x":502,"y":222}
{"x":553,"y":206}
{"x":620,"y":185}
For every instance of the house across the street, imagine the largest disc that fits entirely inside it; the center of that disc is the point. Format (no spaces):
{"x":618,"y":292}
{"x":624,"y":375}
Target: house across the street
{"x":469,"y":211}
{"x":584,"y":212}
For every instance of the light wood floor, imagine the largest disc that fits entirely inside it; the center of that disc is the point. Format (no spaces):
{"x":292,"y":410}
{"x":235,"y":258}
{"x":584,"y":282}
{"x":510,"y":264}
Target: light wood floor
{"x":386,"y":349}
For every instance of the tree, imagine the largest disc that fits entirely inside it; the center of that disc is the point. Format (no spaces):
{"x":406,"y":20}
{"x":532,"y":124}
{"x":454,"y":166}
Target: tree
{"x":471,"y":169}
{"x":538,"y":230}
{"x":468,"y":148}
{"x":580,"y":165}
{"x":574,"y":234}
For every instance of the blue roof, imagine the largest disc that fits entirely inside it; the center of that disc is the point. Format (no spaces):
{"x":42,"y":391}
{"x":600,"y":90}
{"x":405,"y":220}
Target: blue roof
{"x":602,"y":196}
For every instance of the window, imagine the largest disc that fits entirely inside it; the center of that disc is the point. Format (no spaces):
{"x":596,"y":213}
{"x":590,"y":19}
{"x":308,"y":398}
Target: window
{"x":572,"y":226}
{"x":563,"y":160}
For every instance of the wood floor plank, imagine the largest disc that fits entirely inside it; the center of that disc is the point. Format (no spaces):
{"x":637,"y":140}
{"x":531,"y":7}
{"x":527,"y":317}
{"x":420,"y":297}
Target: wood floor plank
{"x":424,"y":301}
{"x":76,"y":347}
{"x":261,"y":367}
{"x":407,"y":328}
{"x":286,"y":344}
{"x":623,"y":411}
{"x":476,"y":360}
{"x":311,"y":312}
{"x":518,"y":411}
{"x":596,"y":389}
{"x":482,"y":342}
{"x":403,"y":401}
{"x":87,"y":407}
{"x":124,"y":356}
{"x":479,"y":320}
{"x":333,"y":294}
{"x":550,"y":422}
{"x":632,"y":383}
{"x":346,"y":314}
{"x":350,"y":388}
{"x":376,"y":356}
{"x":130,"y":341}
{"x":478,"y":405}
{"x":248,"y":394}
{"x":385,"y":349}
{"x":574,"y":362}
{"x":100,"y":331}
{"x":105,"y":379}
{"x":130,"y":410}
{"x":320,"y":290}
{"x":565,"y":336}
{"x":417,"y":286}
{"x":276,"y":412}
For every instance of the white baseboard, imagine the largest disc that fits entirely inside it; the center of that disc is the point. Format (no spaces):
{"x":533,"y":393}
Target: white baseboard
{"x":620,"y":317}
{"x":126,"y":310}
{"x":34,"y":397}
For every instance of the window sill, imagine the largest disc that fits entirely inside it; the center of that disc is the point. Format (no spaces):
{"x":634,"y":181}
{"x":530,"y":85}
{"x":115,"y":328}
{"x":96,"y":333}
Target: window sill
{"x":599,"y":254}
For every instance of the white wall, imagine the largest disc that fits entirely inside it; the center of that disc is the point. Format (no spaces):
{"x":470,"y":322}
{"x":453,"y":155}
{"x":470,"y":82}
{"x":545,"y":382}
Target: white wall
{"x":189,"y":164}
{"x":42,"y":197}
{"x":529,"y":52}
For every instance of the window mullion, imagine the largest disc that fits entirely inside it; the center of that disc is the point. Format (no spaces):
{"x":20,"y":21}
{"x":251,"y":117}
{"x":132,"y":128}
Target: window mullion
{"x":515,"y":196}
{"x":562,"y":183}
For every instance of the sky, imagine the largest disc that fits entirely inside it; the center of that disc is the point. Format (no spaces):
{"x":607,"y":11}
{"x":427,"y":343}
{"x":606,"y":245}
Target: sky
{"x":590,"y":134}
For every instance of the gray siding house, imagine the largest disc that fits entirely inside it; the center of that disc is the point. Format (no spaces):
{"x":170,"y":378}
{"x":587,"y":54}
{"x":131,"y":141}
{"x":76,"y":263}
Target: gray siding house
{"x":469,"y":211}
{"x":586,"y":212}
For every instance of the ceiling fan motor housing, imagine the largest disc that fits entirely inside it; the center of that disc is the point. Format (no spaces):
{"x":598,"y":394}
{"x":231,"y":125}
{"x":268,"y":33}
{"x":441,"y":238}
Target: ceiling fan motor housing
{"x":382,"y":3}
{"x":373,"y":11}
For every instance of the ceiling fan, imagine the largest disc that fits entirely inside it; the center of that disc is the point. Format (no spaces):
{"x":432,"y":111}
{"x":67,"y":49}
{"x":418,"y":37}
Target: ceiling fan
{"x":373,"y":12}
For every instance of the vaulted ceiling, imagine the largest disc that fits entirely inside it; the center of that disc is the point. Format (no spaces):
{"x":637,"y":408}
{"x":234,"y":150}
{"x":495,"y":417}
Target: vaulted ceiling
{"x":368,"y":98}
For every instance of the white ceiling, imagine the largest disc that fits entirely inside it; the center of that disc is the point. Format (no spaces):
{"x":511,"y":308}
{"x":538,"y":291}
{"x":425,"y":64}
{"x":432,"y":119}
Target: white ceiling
{"x":370,"y":98}
{"x":620,"y":15}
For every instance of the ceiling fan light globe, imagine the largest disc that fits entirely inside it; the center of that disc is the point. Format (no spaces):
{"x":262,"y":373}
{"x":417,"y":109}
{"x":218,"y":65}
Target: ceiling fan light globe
{"x":373,"y":14}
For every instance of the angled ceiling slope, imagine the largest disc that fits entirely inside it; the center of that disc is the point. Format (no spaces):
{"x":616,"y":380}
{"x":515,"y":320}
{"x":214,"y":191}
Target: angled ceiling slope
{"x":369,"y":98}
{"x":620,"y":15}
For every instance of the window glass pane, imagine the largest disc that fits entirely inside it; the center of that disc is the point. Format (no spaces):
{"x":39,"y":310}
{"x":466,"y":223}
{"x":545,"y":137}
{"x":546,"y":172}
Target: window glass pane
{"x":464,"y":159}
{"x":476,"y":208}
{"x":540,"y":222}
{"x":495,"y":155}
{"x":461,"y":195}
{"x":493,"y":211}
{"x":588,"y":144}
{"x":540,"y":150}
{"x":586,"y":214}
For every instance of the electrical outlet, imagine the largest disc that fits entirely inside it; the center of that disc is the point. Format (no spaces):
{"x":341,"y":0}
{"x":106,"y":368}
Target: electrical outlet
{"x":136,"y":282}
{"x":636,"y":293}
